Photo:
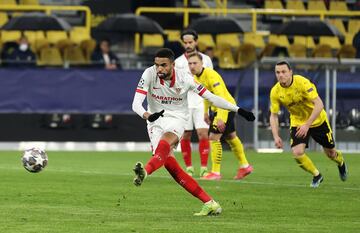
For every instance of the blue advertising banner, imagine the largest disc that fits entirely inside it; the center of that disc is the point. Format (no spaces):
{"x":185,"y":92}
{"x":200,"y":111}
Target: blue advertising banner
{"x":102,"y":91}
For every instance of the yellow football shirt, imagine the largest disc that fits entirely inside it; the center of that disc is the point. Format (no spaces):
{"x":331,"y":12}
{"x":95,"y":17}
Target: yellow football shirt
{"x":213,"y":82}
{"x":297,"y":98}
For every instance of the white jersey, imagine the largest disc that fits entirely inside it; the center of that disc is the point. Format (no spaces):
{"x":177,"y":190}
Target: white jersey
{"x":194,"y":101}
{"x":169,"y":95}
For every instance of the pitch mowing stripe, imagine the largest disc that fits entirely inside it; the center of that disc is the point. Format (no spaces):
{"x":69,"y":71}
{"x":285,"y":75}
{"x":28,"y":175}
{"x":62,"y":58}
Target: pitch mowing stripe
{"x":167,"y":177}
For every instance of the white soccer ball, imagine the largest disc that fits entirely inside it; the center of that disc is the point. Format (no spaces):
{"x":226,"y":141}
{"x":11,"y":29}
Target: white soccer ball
{"x":34,"y":159}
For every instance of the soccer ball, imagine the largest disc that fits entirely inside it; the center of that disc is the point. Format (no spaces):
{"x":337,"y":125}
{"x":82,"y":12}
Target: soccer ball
{"x":34,"y":159}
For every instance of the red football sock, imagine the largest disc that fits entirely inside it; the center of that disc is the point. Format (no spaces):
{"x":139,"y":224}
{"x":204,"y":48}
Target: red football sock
{"x":161,"y":153}
{"x":186,"y":181}
{"x":204,"y":151}
{"x":186,"y":151}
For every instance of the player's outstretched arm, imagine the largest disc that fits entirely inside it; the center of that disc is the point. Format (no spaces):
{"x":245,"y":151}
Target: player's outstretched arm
{"x":224,"y":104}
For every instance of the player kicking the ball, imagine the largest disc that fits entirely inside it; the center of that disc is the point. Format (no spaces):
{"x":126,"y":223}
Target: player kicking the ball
{"x":166,"y":88}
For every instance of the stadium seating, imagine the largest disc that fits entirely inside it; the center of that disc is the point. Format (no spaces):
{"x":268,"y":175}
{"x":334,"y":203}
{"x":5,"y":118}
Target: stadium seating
{"x":33,"y":36}
{"x":39,"y":44}
{"x":308,"y":41}
{"x":74,"y":55}
{"x":50,"y":56}
{"x":337,"y":6}
{"x":349,"y":38}
{"x":8,"y":2}
{"x":354,"y":26}
{"x":346,"y":51}
{"x":228,"y":40}
{"x":246,"y":55}
{"x":151,"y":42}
{"x":297,"y":50}
{"x":63,"y":44}
{"x":88,"y":47}
{"x":332,"y":41}
{"x":29,"y":2}
{"x":54,"y":37}
{"x":173,"y":35}
{"x":78,"y":34}
{"x":226,"y":59}
{"x":323,"y":50}
{"x":338,"y":23}
{"x":3,"y":18}
{"x":279,"y":40}
{"x":273,"y":4}
{"x":255,"y":39}
{"x":316,"y":5}
{"x":204,"y":41}
{"x":295,"y":5}
{"x":7,"y":36}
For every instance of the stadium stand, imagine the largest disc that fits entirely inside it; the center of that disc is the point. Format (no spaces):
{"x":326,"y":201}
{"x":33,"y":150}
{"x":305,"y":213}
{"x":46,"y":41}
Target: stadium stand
{"x":8,"y":2}
{"x":34,"y":36}
{"x":353,"y":26}
{"x":88,"y":47}
{"x":54,"y":37}
{"x":50,"y":56}
{"x":3,"y":18}
{"x":39,"y":44}
{"x":173,"y":35}
{"x":246,"y":55}
{"x":79,"y":34}
{"x":295,"y":5}
{"x":204,"y":41}
{"x":316,"y":5}
{"x":297,"y":50}
{"x":323,"y":51}
{"x":332,"y":41}
{"x":228,"y":40}
{"x":152,"y":42}
{"x":307,"y":41}
{"x":226,"y":58}
{"x":8,"y":36}
{"x":337,"y":6}
{"x":232,"y":50}
{"x":29,"y":2}
{"x":338,"y":23}
{"x":255,"y":39}
{"x":74,"y":55}
{"x":346,"y":51}
{"x":273,"y":4}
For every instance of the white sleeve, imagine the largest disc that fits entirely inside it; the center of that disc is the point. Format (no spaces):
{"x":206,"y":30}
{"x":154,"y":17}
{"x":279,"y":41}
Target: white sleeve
{"x":219,"y":102}
{"x":137,"y":104}
{"x":141,"y":92}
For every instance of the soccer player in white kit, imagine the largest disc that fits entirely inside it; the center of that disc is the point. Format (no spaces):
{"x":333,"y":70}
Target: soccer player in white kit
{"x":196,"y":108}
{"x":165,"y":89}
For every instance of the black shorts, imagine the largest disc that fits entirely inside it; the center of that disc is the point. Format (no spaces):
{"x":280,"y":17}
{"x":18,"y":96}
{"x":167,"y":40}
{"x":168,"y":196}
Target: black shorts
{"x":321,"y":134}
{"x":230,"y":124}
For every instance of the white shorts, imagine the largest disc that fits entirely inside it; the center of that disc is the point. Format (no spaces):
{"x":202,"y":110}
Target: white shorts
{"x":196,"y":119}
{"x":162,"y":125}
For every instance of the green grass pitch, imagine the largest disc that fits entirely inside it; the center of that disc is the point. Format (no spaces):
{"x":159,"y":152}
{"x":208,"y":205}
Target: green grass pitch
{"x":93,"y":192}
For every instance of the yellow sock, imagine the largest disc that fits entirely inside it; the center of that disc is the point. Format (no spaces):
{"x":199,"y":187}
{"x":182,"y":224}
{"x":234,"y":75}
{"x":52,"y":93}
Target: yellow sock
{"x":339,"y":158}
{"x":216,"y":155}
{"x":238,"y":150}
{"x":305,"y":163}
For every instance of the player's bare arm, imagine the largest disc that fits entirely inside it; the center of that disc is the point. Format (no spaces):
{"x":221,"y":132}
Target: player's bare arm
{"x":302,"y":130}
{"x":274,"y":124}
